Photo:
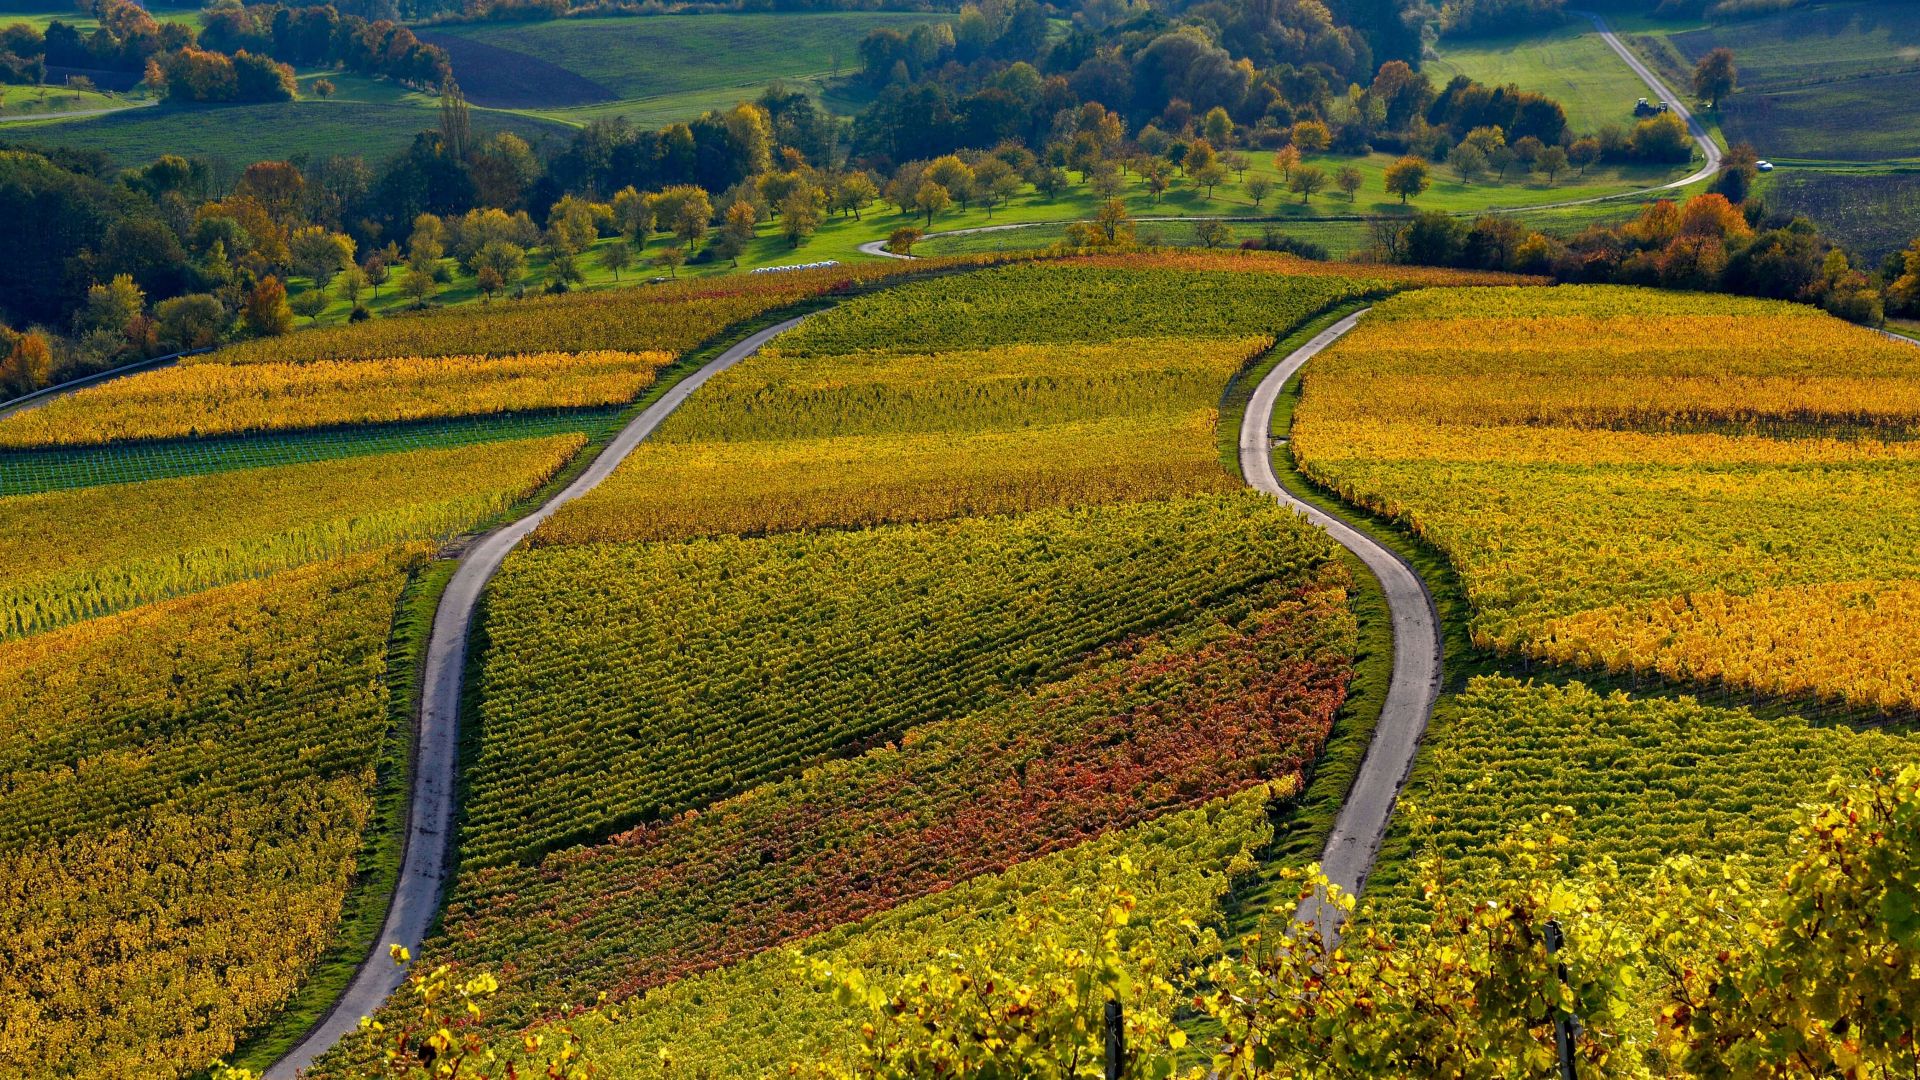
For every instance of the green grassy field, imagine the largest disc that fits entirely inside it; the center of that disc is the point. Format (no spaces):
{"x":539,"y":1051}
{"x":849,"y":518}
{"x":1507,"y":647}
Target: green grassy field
{"x":1571,"y":65}
{"x":659,"y":67}
{"x":243,"y":134}
{"x":40,"y":14}
{"x":29,"y":100}
{"x":1832,"y":80}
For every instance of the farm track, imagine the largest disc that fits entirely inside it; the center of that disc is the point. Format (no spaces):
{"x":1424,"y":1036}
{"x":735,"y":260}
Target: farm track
{"x":1415,"y":684}
{"x":40,"y":397}
{"x":416,"y":900}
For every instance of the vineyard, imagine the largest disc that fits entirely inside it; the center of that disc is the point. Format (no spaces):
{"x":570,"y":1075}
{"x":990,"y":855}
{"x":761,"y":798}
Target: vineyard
{"x":755,"y":658}
{"x":1731,"y":459}
{"x":672,"y":318}
{"x":1243,"y":692}
{"x":186,"y":789}
{"x":1644,"y":778}
{"x":195,"y":400}
{"x":795,"y":442}
{"x":85,"y":552}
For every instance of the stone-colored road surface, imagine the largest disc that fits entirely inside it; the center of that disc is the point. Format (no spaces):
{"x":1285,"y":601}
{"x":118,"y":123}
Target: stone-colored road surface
{"x":1362,"y":822}
{"x":424,"y":867}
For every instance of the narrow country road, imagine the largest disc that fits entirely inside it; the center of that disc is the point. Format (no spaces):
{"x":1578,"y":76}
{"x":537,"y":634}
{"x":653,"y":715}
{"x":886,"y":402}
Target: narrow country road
{"x":1660,"y":92}
{"x":436,"y":740}
{"x":1415,"y":685}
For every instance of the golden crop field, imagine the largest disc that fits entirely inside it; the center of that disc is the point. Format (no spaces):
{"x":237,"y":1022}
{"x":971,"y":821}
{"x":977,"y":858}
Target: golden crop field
{"x":1714,"y":489}
{"x":193,"y":400}
{"x":85,"y":552}
{"x":187,"y":787}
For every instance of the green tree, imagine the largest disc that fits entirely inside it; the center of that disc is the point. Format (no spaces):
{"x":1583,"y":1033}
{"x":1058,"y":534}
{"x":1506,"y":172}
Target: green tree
{"x":671,"y":258}
{"x":194,"y":321}
{"x":1552,"y":161}
{"x":1308,"y":181}
{"x":1210,"y":175}
{"x":1211,"y":232}
{"x":1408,"y":178}
{"x":800,"y":213}
{"x":318,"y":254}
{"x":1467,"y":161}
{"x":1715,"y":77}
{"x":507,"y":260}
{"x":353,"y":282}
{"x":1258,"y":188}
{"x":309,"y":303}
{"x":737,"y":231}
{"x":616,"y":257}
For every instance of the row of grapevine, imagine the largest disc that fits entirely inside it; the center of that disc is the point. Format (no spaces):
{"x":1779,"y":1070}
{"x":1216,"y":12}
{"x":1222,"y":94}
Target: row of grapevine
{"x":1643,"y":778}
{"x":1731,"y":506}
{"x":86,"y":552}
{"x":1064,"y":301}
{"x":759,"y":1017}
{"x":672,"y":318}
{"x":186,"y":786}
{"x":624,"y":683}
{"x":794,"y":442}
{"x":671,"y":491}
{"x":193,"y":401}
{"x":1244,"y":694}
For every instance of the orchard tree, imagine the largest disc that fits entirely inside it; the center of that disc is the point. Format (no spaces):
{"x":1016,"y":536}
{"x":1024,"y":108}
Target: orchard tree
{"x":266,"y":312}
{"x":736,"y":232}
{"x":1349,"y":180}
{"x":1715,"y":77}
{"x":1210,"y":175}
{"x":616,"y":257}
{"x":1286,"y":159}
{"x":1211,"y":232}
{"x":1259,"y":188}
{"x":309,"y":303}
{"x":931,"y":199}
{"x":1552,"y":161}
{"x":1408,"y":178}
{"x":671,"y":258}
{"x":902,"y":239}
{"x":1468,"y":162}
{"x":1311,"y":137}
{"x":1307,"y":181}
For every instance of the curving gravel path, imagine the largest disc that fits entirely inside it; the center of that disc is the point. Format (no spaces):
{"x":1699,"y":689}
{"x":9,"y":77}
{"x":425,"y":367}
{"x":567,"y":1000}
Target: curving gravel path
{"x":1415,"y":685}
{"x":26,"y":402}
{"x":1660,"y":92}
{"x":424,"y":866}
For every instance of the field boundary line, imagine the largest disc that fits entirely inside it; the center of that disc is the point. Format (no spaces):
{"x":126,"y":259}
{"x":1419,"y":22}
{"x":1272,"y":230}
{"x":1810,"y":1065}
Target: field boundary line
{"x":1361,"y":824}
{"x":425,"y":857}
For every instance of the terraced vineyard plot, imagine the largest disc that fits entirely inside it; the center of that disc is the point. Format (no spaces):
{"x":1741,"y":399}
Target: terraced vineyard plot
{"x":1644,"y":778}
{"x":193,"y":400}
{"x":667,"y":318}
{"x":624,"y":683}
{"x":790,"y":442}
{"x":1625,"y":480}
{"x":29,"y":472}
{"x":78,"y":554}
{"x":185,"y":789}
{"x":763,"y":1014}
{"x":1243,"y":694}
{"x":1072,"y":300}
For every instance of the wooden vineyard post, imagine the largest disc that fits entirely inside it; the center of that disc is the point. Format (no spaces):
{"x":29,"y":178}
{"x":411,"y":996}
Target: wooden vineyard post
{"x":1116,"y":1042}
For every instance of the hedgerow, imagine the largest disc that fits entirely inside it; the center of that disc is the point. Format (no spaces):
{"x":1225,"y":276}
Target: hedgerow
{"x":625,"y":683}
{"x":186,"y":789}
{"x":78,"y":554}
{"x":199,"y":400}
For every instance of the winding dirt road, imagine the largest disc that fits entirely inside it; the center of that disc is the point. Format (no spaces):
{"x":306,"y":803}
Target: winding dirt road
{"x":424,"y":866}
{"x":1415,"y":684}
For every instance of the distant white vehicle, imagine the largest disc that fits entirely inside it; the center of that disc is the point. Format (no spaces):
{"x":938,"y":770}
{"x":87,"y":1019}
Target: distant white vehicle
{"x":1763,"y":166}
{"x":797,"y":266}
